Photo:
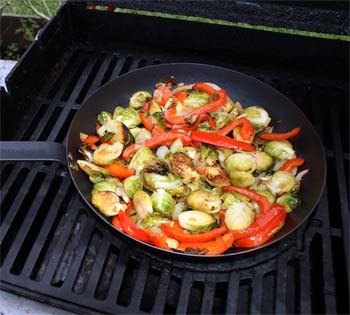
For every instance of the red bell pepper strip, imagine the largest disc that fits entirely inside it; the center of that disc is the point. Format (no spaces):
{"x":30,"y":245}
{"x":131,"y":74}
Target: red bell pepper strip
{"x":261,"y":221}
{"x":158,"y":240}
{"x":221,"y":141}
{"x":204,"y":88}
{"x":174,"y":230}
{"x":91,"y":139}
{"x":262,"y":201}
{"x":157,"y":130}
{"x":280,"y":136}
{"x":116,"y":223}
{"x":264,"y":235}
{"x":246,"y":131}
{"x":146,"y":122}
{"x":155,"y":141}
{"x":214,"y":247}
{"x":119,"y":170}
{"x":290,"y":164}
{"x":130,"y":228}
{"x":162,"y":94}
{"x":146,"y":107}
{"x":180,"y":96}
{"x":220,"y":100}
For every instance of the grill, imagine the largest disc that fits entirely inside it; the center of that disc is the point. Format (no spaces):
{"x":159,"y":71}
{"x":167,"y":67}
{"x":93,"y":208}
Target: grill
{"x":54,"y":250}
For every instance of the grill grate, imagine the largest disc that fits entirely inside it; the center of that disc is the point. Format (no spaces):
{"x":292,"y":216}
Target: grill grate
{"x":54,"y":250}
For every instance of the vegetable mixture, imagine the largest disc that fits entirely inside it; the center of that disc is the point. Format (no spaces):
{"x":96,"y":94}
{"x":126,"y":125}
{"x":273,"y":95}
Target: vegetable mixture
{"x":188,"y":169}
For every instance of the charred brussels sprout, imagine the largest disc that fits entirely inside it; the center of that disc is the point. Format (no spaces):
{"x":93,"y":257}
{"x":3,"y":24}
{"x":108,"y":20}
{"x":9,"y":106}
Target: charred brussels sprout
{"x":258,"y":116}
{"x":263,"y":161}
{"x":242,"y":179}
{"x":163,"y":202}
{"x":91,"y":169}
{"x":105,"y":154}
{"x":141,"y":158}
{"x":132,"y":184}
{"x":204,"y":201}
{"x":139,"y":99}
{"x":216,"y":176}
{"x":142,"y":204}
{"x":196,"y":221}
{"x":239,"y":216}
{"x":280,"y":149}
{"x":282,"y":182}
{"x":107,"y":202}
{"x":115,"y":131}
{"x":180,"y":164}
{"x":290,"y":201}
{"x":103,"y":118}
{"x":128,"y":116}
{"x":208,"y":154}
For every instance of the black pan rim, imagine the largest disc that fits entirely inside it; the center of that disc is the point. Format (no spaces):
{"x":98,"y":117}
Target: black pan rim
{"x":176,"y":254}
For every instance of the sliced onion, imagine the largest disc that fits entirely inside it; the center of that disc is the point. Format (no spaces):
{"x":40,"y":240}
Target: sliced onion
{"x":214,"y":86}
{"x":300,"y":175}
{"x":179,"y":207}
{"x":162,"y":152}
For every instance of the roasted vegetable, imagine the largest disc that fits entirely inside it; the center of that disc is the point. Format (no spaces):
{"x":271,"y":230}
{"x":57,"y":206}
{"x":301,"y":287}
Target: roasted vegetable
{"x":242,"y":179}
{"x":215,"y":176}
{"x":270,"y":197}
{"x":103,"y":117}
{"x":204,"y":201}
{"x":153,"y":220}
{"x":280,"y":149}
{"x":141,"y":158}
{"x":258,"y":116}
{"x":196,"y":221}
{"x":240,"y":162}
{"x":238,"y":216}
{"x":105,"y":186}
{"x":263,"y":161}
{"x":140,"y":134}
{"x":182,"y":165}
{"x":105,"y":154}
{"x":163,"y":202}
{"x":208,"y":154}
{"x":128,"y":116}
{"x":196,"y":99}
{"x":142,"y":204}
{"x":282,"y":182}
{"x":91,"y":169}
{"x":290,"y":201}
{"x":115,"y":131}
{"x":132,"y":184}
{"x":139,"y":99}
{"x":107,"y":202}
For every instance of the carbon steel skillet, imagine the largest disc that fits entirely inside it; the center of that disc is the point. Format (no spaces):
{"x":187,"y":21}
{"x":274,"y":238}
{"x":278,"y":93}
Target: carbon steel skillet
{"x":243,"y":88}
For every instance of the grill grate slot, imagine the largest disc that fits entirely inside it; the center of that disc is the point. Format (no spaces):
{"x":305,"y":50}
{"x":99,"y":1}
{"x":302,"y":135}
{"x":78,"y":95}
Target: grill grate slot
{"x":220,"y":297}
{"x":293,"y":287}
{"x":5,"y":173}
{"x":244,"y":297}
{"x":196,"y":294}
{"x":149,"y":294}
{"x":110,"y":69}
{"x":269,"y":291}
{"x":172,"y":295}
{"x":49,"y":125}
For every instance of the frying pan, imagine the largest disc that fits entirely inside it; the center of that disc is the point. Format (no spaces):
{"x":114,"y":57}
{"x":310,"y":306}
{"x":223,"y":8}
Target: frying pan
{"x":245,"y":89}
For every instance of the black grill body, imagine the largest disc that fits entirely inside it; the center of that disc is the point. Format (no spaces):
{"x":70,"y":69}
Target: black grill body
{"x":54,"y":250}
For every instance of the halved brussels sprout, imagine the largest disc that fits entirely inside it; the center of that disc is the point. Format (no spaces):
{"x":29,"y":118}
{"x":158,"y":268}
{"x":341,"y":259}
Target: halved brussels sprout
{"x":290,"y":201}
{"x":139,"y":99}
{"x":280,"y":149}
{"x":182,"y":165}
{"x":263,"y":161}
{"x":221,"y":119}
{"x":132,"y":184}
{"x":216,"y":176}
{"x":154,"y":181}
{"x":208,"y":154}
{"x":242,"y":179}
{"x":196,"y":221}
{"x":239,"y":216}
{"x":154,"y":108}
{"x":141,"y":158}
{"x":115,"y":131}
{"x":105,"y":154}
{"x":240,"y":162}
{"x":142,"y":204}
{"x":140,"y":134}
{"x":96,"y":178}
{"x":107,"y":202}
{"x":152,"y":220}
{"x":228,"y":107}
{"x":204,"y":201}
{"x":86,"y":151}
{"x":105,"y":186}
{"x":163,"y":202}
{"x":128,"y":116}
{"x":103,"y":117}
{"x":91,"y":169}
{"x":258,"y":116}
{"x":270,"y":197}
{"x":282,"y":182}
{"x":228,"y":199}
{"x":196,"y":99}
{"x":223,"y":154}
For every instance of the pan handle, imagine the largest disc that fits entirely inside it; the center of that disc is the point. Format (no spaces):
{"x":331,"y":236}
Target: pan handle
{"x":32,"y":151}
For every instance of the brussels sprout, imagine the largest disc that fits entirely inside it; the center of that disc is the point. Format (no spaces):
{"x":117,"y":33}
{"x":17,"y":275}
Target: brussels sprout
{"x":132,"y":184}
{"x":141,"y":158}
{"x":208,"y":154}
{"x":107,"y":202}
{"x":221,"y":119}
{"x":258,"y":116}
{"x":103,"y":118}
{"x":216,"y":176}
{"x":289,"y":201}
{"x":86,"y":151}
{"x":228,"y":107}
{"x":282,"y":182}
{"x":105,"y":186}
{"x":128,"y":116}
{"x":239,"y":216}
{"x":163,"y":202}
{"x":115,"y":131}
{"x":240,"y":162}
{"x":96,"y":178}
{"x":223,"y":154}
{"x":139,"y":99}
{"x":154,"y":181}
{"x":140,"y":134}
{"x":242,"y":179}
{"x":263,"y":161}
{"x":196,"y":99}
{"x":142,"y":204}
{"x":270,"y":197}
{"x":106,"y":153}
{"x":154,"y":108}
{"x":91,"y":169}
{"x":152,"y":220}
{"x":280,"y":149}
{"x":196,"y":221}
{"x":179,"y":207}
{"x":180,"y":164}
{"x":204,"y":201}
{"x":199,"y":185}
{"x":159,"y":117}
{"x":228,"y":199}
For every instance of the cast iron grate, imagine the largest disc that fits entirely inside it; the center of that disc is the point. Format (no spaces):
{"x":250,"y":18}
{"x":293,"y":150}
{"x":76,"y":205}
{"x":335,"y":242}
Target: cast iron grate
{"x":54,"y":250}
